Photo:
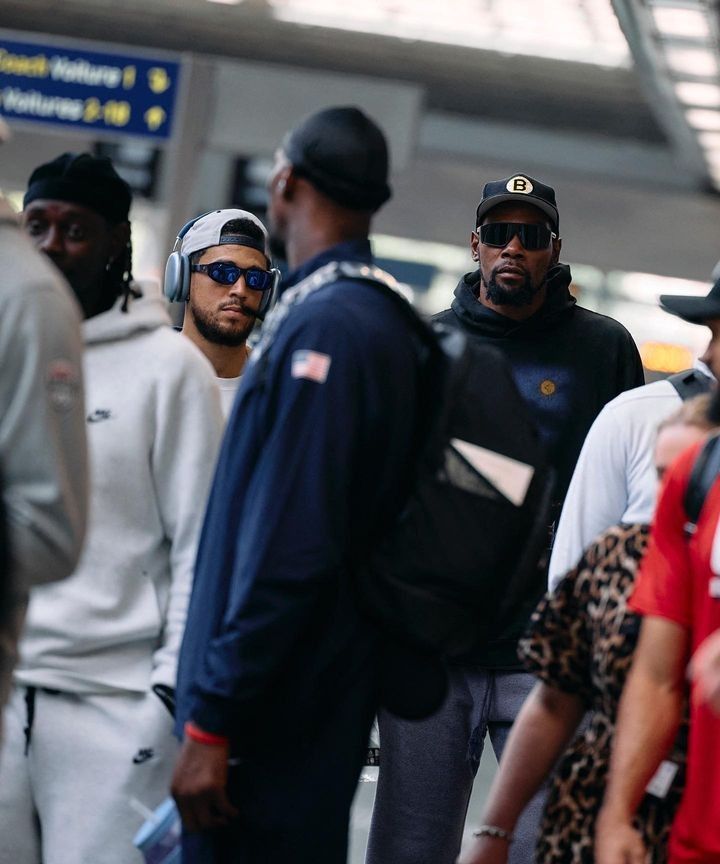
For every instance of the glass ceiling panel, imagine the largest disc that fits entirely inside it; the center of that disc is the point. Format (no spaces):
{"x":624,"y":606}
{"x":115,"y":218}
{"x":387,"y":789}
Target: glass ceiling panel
{"x":585,"y":31}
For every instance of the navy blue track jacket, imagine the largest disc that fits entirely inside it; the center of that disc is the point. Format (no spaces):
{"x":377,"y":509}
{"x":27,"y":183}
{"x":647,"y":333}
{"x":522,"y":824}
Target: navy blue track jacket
{"x":310,"y":470}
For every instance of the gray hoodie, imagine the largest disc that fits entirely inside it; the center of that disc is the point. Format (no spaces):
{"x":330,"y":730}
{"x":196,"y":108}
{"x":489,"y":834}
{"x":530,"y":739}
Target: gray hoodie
{"x":42,"y":428}
{"x":154,"y":426}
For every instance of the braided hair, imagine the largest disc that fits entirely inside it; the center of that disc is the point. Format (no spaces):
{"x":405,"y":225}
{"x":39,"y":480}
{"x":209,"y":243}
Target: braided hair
{"x":93,"y":182}
{"x":119,"y":276}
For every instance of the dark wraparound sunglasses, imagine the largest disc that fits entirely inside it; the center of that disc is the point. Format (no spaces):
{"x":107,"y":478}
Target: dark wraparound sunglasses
{"x":532,"y":237}
{"x":226,"y":273}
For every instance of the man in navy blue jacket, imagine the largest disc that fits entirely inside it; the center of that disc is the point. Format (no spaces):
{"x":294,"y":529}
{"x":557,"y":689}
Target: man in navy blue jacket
{"x":278,"y":680}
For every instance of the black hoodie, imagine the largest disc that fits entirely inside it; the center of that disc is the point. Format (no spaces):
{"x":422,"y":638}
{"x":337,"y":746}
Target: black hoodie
{"x":567,"y":362}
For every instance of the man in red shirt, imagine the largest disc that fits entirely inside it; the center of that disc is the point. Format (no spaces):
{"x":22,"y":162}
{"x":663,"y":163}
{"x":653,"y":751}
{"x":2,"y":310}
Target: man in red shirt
{"x":678,"y":592}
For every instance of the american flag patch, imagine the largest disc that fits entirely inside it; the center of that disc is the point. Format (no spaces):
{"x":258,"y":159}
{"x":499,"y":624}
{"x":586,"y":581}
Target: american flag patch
{"x":311,"y":365}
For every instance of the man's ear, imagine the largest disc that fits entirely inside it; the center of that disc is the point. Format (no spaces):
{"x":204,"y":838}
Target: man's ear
{"x":474,"y":243}
{"x":287,"y":184}
{"x":119,"y":239}
{"x":557,"y":246}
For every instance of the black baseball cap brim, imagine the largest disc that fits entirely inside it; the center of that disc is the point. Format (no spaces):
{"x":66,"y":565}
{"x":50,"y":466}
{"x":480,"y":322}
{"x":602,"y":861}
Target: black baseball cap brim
{"x":696,"y":310}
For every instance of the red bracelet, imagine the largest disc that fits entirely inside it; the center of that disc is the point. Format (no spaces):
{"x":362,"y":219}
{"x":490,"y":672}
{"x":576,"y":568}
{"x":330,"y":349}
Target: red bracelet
{"x":202,"y":737}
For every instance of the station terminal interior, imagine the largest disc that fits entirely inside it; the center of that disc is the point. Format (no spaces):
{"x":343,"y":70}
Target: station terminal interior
{"x":614,"y":103}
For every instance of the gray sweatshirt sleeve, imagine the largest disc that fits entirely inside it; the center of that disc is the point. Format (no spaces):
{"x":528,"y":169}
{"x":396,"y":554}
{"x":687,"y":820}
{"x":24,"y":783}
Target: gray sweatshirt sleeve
{"x":42,"y":426}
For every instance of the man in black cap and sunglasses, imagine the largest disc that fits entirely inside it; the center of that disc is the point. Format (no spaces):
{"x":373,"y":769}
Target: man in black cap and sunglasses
{"x":567,"y":362}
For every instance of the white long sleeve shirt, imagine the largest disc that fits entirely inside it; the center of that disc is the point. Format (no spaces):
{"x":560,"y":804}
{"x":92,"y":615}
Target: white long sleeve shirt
{"x":615,"y":478}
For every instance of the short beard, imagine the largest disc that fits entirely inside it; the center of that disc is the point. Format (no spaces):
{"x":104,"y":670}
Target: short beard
{"x":209,"y":329}
{"x":499,"y":296}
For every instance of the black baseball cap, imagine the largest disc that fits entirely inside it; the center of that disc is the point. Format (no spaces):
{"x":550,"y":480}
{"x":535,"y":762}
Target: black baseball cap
{"x":523,"y":188}
{"x":696,"y":310}
{"x":344,"y":154}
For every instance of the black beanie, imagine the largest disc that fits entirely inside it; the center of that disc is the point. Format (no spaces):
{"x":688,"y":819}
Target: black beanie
{"x":82,"y":179}
{"x":344,"y":154}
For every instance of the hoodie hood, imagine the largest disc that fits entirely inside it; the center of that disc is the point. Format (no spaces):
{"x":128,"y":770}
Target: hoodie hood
{"x":480,"y":318}
{"x":148,"y":311}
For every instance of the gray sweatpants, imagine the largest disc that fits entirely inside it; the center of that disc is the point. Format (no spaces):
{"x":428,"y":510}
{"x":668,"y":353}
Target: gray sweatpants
{"x":68,"y":800}
{"x":427,"y":769}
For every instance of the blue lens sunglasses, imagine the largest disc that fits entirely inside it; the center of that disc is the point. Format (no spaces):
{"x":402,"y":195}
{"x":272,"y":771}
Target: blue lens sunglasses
{"x":227,"y":273}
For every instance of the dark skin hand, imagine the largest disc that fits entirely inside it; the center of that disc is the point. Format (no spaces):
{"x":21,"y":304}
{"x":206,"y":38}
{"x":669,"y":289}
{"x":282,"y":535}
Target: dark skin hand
{"x":199,"y":786}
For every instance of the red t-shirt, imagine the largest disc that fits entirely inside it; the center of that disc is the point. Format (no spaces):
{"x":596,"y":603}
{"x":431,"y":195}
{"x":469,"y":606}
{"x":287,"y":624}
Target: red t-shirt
{"x":675,"y":582}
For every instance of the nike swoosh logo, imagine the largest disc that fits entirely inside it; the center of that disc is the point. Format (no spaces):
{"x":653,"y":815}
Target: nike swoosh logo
{"x":99,"y":415}
{"x":143,"y":756}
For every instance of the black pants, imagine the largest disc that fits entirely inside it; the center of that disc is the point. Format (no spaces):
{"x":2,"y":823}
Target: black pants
{"x":295,"y":804}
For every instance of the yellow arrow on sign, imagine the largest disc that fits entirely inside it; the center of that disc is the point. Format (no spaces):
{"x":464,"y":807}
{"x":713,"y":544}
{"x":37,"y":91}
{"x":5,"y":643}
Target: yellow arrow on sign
{"x":128,"y":78}
{"x":154,"y":118}
{"x":158,"y":79}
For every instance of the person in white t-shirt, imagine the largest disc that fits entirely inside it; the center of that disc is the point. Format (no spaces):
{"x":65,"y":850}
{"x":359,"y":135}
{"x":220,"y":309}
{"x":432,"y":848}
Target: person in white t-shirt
{"x":614,"y":479}
{"x":221,"y":269}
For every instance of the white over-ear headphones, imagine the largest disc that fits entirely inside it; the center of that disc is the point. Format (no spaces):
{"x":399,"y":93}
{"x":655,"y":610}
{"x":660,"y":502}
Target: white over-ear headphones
{"x":176,"y":286}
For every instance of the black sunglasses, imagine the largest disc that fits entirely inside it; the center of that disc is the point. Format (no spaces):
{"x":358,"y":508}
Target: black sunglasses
{"x":532,"y":237}
{"x":227,"y":273}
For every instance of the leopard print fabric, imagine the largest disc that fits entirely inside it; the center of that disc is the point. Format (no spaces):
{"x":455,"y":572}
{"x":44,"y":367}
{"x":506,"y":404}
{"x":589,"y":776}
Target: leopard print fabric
{"x":581,"y":640}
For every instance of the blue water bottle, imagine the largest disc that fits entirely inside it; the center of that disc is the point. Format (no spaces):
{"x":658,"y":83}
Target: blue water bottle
{"x":160,"y":837}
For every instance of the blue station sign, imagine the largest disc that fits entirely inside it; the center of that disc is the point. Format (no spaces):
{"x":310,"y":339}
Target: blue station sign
{"x":74,"y":87}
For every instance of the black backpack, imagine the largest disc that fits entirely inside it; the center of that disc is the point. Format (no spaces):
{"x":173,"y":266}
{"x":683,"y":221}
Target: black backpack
{"x":462,"y":554}
{"x":704,"y":472}
{"x":690,"y":383}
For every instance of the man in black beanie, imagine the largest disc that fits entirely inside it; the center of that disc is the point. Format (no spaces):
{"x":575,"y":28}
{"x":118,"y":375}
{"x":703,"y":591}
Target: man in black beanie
{"x":279,"y":670}
{"x":82,"y":199}
{"x":88,"y":726}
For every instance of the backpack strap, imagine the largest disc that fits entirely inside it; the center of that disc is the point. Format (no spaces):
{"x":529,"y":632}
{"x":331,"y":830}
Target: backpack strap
{"x":334,"y":271}
{"x":704,"y":472}
{"x":690,"y":383}
{"x":370,"y":273}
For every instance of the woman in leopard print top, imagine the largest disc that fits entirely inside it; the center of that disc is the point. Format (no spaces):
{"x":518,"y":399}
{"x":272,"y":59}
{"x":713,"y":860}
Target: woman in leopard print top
{"x":581,"y":640}
{"x":579,"y":644}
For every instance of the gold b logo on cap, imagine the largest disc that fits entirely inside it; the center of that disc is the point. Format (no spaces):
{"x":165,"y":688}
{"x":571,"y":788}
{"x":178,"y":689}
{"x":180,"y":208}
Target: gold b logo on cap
{"x":519,"y":184}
